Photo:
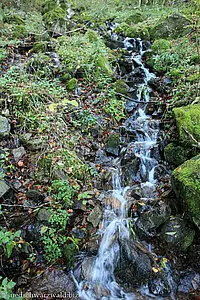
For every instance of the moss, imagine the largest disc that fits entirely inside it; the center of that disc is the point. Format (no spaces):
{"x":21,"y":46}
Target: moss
{"x":160,"y":44}
{"x":71,"y":84}
{"x":121,"y":87}
{"x":40,"y":47}
{"x":172,"y":27}
{"x":176,"y":155}
{"x":104,"y":65}
{"x":134,"y":18}
{"x":69,"y":252}
{"x":65,"y":77}
{"x":92,"y":35}
{"x":20,"y":31}
{"x":121,"y":28}
{"x":187,"y":119}
{"x":186,"y":185}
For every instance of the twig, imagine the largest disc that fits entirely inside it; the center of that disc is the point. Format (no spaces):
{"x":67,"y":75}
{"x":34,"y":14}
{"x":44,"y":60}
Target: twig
{"x":191,"y":136}
{"x":18,"y":205}
{"x":131,"y":99}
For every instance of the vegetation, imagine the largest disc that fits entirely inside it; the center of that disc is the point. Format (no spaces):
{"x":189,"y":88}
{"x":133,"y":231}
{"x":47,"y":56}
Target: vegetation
{"x":60,"y":91}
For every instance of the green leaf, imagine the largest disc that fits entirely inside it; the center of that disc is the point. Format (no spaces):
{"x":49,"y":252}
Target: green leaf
{"x":72,"y":102}
{"x":9,"y":248}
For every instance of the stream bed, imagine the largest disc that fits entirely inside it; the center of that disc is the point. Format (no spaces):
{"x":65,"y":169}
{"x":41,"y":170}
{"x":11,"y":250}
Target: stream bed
{"x":125,"y":261}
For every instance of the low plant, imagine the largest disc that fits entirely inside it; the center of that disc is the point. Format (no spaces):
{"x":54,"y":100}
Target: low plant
{"x":6,"y":289}
{"x":8,"y":240}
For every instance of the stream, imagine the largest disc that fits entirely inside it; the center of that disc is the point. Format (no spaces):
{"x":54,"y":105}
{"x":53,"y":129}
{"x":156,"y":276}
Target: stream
{"x":115,"y":229}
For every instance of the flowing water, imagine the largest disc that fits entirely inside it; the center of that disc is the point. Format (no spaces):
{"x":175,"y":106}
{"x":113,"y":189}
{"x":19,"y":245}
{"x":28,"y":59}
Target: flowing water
{"x":115,"y":225}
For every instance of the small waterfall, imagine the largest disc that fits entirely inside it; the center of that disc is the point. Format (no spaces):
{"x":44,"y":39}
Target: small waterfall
{"x":115,"y":225}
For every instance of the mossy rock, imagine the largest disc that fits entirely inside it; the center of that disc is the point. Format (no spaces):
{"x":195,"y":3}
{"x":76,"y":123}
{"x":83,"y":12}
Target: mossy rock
{"x":160,"y":44}
{"x":71,"y":84}
{"x":134,"y":18}
{"x":186,"y":185}
{"x":187,"y":121}
{"x":40,"y":47}
{"x":122,"y":28}
{"x":176,"y":154}
{"x":113,"y":144}
{"x":69,"y":252}
{"x":65,"y":77}
{"x":138,"y":32}
{"x":103,"y":65}
{"x":121,"y":87}
{"x":172,"y":27}
{"x":92,"y":35}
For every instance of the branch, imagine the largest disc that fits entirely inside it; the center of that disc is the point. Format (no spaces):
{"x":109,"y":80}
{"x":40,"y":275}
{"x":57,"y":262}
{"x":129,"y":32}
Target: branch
{"x":191,"y":136}
{"x":131,"y":99}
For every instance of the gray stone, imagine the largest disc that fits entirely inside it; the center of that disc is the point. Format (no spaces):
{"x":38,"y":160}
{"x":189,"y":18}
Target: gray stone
{"x":54,"y":281}
{"x":18,"y":153}
{"x":4,"y":127}
{"x":178,"y":234}
{"x":113,"y":144}
{"x":43,"y":215}
{"x":95,"y":216}
{"x":150,"y":220}
{"x":34,"y":195}
{"x":4,"y":188}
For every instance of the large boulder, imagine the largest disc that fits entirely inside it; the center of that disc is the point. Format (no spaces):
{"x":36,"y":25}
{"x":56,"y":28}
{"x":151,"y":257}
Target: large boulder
{"x":4,"y":127}
{"x":172,"y":27}
{"x":176,"y":154}
{"x":186,"y":185}
{"x":187,"y":121}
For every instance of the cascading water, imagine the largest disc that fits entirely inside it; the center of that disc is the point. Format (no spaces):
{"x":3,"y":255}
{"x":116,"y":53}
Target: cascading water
{"x":115,"y":225}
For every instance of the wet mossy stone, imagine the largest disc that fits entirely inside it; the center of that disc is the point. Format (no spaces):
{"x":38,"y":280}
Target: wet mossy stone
{"x":121,"y":87}
{"x":113,"y":144}
{"x":34,"y":195}
{"x":4,"y":127}
{"x":71,"y":84}
{"x":176,"y":154}
{"x":187,"y":121}
{"x":186,"y":185}
{"x":178,"y":234}
{"x":43,"y":215}
{"x":172,"y":27}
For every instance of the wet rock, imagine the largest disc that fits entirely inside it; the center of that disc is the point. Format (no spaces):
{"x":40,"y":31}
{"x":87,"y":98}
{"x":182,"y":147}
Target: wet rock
{"x":186,"y":185}
{"x":43,"y":215}
{"x":54,"y":281}
{"x":134,"y":267}
{"x":93,"y":244}
{"x":176,"y":154}
{"x":87,"y":267}
{"x":95,"y":216}
{"x":34,"y":195}
{"x":18,"y":153}
{"x":4,"y":127}
{"x":112,"y":44}
{"x":187,"y":120}
{"x":130,"y":166}
{"x":102,"y":158}
{"x":178,"y":234}
{"x":5,"y":190}
{"x":189,"y":281}
{"x":172,"y":27}
{"x":159,"y":286}
{"x":125,"y":66}
{"x":113,"y":144}
{"x":150,"y":220}
{"x":157,"y":85}
{"x":130,"y":106}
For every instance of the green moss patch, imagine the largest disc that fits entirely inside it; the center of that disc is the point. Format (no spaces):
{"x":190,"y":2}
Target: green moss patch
{"x":186,"y":185}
